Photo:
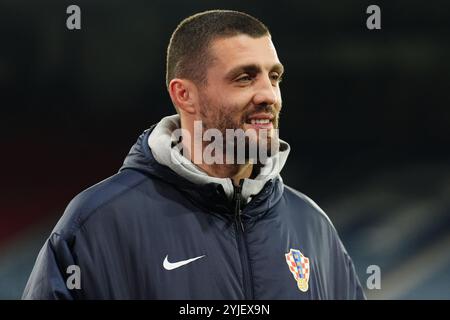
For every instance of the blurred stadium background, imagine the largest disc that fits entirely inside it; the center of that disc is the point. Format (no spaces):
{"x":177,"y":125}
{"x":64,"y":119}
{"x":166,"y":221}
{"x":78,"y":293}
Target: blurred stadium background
{"x":367,"y":114}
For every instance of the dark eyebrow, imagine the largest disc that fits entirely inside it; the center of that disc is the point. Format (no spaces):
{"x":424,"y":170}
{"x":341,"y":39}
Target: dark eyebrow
{"x":252,"y":69}
{"x":278,"y":68}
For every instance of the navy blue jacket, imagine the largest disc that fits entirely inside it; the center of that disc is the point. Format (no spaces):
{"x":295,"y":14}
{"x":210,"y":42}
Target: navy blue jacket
{"x":133,"y":235}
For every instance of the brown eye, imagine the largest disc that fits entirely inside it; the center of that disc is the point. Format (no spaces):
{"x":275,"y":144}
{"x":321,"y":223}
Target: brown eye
{"x":276,"y":77}
{"x":244,"y":78}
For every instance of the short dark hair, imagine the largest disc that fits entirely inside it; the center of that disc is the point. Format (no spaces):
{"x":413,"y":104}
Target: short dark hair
{"x":187,"y":53}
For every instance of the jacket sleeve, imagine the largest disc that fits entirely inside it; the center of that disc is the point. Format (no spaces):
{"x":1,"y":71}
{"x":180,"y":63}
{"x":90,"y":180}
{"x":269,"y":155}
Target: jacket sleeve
{"x":347,"y":285}
{"x":354,"y":288}
{"x":48,"y":278}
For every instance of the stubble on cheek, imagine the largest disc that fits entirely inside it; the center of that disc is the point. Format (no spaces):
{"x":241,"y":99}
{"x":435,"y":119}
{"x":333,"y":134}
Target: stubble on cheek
{"x":220,"y":118}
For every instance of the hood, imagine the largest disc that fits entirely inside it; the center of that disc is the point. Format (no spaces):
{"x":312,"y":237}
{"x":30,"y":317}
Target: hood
{"x":213,"y":194}
{"x":163,"y":150}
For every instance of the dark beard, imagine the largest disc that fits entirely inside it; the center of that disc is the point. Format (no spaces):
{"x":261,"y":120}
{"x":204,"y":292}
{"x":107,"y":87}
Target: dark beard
{"x":217,"y":119}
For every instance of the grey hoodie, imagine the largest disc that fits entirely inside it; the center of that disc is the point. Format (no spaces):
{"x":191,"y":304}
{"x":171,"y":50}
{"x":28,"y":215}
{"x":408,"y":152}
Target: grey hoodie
{"x":161,"y":144}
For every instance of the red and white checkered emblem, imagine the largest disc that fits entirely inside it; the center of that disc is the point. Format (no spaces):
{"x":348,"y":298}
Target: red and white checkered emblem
{"x":299,"y":266}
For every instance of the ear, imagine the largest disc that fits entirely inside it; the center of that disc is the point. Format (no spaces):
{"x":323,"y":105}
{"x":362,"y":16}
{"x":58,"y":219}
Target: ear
{"x":183,"y":94}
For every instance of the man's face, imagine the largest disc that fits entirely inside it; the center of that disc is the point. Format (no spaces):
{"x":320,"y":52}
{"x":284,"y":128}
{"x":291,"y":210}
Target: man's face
{"x":242,"y":90}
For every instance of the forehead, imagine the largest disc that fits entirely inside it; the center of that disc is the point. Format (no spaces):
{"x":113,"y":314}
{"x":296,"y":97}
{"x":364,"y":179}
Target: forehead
{"x":243,"y":49}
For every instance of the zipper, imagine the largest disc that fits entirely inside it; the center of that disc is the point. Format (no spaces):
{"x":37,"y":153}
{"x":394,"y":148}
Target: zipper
{"x":237,"y":206}
{"x":242,"y":245}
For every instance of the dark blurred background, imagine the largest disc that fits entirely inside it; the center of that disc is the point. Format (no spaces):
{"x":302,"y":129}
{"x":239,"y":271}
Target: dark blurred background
{"x":366,"y":112}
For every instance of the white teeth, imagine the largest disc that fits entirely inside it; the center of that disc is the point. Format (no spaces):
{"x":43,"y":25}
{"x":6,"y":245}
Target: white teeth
{"x":260,"y":121}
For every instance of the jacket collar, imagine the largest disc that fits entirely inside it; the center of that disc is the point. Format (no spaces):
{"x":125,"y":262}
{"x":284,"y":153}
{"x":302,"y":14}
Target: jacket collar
{"x":210,"y":196}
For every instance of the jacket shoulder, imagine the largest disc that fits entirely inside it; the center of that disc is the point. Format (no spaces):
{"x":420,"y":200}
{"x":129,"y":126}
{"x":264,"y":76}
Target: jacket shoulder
{"x":91,"y":200}
{"x":309,"y":209}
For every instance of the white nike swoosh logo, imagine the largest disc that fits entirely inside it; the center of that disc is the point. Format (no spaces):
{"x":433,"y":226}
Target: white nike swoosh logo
{"x":170,"y":266}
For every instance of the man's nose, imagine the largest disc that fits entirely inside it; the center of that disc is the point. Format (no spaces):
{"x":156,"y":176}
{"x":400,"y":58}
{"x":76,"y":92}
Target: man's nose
{"x":265,"y":93}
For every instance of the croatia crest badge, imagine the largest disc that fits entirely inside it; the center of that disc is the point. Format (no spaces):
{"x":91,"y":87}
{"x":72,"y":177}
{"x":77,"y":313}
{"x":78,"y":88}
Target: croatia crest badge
{"x":299,"y":267}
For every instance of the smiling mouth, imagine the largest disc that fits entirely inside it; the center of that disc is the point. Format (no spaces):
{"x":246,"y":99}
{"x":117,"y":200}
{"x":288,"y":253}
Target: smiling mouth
{"x":260,"y":120}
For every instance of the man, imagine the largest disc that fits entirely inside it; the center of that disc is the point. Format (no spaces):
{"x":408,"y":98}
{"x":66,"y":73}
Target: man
{"x":184,"y":220}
